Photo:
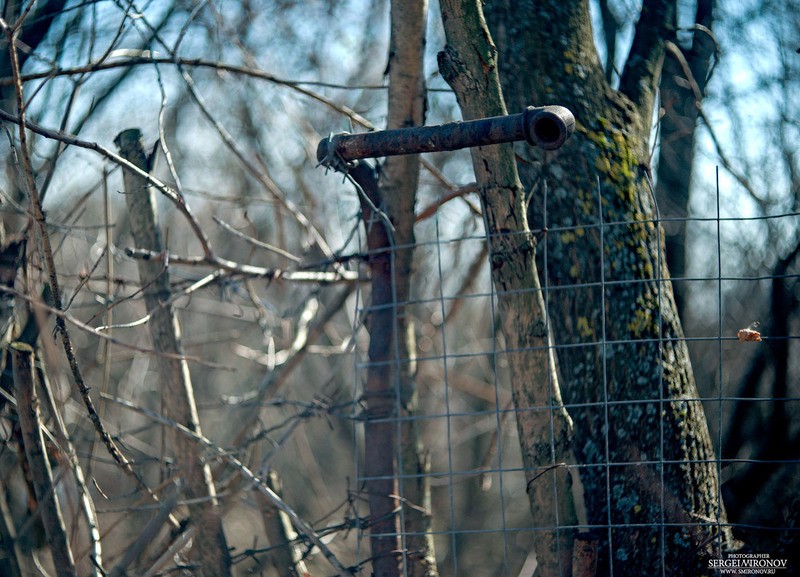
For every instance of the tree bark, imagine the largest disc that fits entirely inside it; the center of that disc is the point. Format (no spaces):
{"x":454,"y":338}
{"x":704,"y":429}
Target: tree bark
{"x":387,"y":209}
{"x":210,"y":549}
{"x":469,"y":65}
{"x":624,"y":361}
{"x":380,"y":395}
{"x":398,"y":189}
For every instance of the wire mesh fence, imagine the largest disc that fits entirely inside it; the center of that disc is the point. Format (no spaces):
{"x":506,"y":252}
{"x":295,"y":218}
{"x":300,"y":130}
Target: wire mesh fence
{"x":466,"y":416}
{"x":287,"y":435}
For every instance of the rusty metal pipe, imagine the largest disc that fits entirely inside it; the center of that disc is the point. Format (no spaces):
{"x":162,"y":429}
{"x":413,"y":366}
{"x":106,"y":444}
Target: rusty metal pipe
{"x":547,"y":127}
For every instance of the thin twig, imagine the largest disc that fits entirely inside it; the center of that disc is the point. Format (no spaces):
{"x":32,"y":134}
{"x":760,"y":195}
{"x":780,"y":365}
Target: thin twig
{"x":149,"y":533}
{"x":698,"y":96}
{"x":431,"y":209}
{"x":73,"y":140}
{"x":200,"y":63}
{"x":248,"y":269}
{"x":86,"y":278}
{"x":256,"y":242}
{"x":66,"y":318}
{"x":41,"y":221}
{"x":299,"y":524}
{"x":178,"y":295}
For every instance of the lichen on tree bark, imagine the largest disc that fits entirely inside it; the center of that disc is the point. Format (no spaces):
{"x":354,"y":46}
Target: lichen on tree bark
{"x":626,"y":364}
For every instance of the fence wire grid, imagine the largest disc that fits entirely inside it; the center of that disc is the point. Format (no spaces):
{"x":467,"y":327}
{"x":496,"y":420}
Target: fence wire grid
{"x":465,"y":415}
{"x":307,"y":433}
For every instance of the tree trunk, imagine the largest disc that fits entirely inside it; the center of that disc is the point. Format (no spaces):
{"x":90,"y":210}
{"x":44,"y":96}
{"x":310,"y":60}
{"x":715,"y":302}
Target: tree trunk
{"x":399,"y":183}
{"x":380,"y":438}
{"x":469,"y":65}
{"x":683,"y":84}
{"x":209,"y":549}
{"x":623,"y":358}
{"x":388,"y":214}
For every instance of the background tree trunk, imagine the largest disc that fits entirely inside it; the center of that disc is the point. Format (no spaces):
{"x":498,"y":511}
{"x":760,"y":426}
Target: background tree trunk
{"x":399,"y":184}
{"x":469,"y":65}
{"x":209,"y":550}
{"x":683,"y":85}
{"x":627,"y":369}
{"x":388,"y":213}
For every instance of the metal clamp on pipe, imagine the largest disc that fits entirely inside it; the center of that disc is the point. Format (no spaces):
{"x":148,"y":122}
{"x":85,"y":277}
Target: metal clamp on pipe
{"x":547,"y":127}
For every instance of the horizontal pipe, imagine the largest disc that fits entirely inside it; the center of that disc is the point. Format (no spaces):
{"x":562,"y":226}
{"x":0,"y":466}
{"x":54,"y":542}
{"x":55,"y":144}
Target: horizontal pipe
{"x":547,"y":127}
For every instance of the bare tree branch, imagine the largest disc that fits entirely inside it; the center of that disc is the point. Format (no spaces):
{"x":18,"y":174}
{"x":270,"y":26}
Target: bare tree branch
{"x":36,"y":455}
{"x":178,"y":397}
{"x":41,"y":221}
{"x":259,"y":484}
{"x":58,"y":313}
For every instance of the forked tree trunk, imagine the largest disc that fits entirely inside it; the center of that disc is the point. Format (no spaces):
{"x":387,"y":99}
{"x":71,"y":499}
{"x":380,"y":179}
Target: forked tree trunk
{"x":651,"y":484}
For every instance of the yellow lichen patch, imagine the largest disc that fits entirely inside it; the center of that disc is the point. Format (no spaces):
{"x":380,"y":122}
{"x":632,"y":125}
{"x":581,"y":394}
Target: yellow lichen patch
{"x":598,"y":138}
{"x":627,"y":193}
{"x":584,"y":328}
{"x":641,"y":322}
{"x":587,"y":204}
{"x":602,"y":164}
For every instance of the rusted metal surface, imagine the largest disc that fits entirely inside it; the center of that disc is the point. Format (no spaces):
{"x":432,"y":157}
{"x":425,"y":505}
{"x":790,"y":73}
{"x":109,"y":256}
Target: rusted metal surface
{"x":547,"y":127}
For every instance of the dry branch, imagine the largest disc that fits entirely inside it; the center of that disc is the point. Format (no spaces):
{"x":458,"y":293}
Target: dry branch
{"x":148,"y":534}
{"x":73,"y":140}
{"x":246,"y":269}
{"x":144,"y":58}
{"x":287,"y":558}
{"x":100,"y":334}
{"x":303,"y":528}
{"x":37,"y":458}
{"x":41,"y":220}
